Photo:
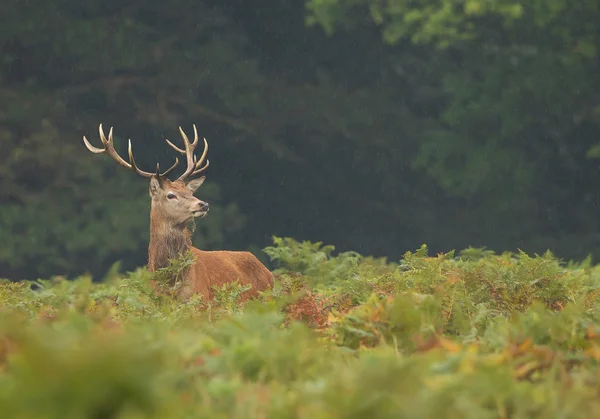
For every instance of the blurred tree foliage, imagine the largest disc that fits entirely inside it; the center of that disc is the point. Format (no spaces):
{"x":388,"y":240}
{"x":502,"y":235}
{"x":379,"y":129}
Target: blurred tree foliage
{"x":68,"y":66}
{"x":519,"y":107}
{"x":451,"y":123}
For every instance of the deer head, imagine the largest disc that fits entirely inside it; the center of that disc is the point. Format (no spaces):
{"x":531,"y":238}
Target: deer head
{"x":173,"y":202}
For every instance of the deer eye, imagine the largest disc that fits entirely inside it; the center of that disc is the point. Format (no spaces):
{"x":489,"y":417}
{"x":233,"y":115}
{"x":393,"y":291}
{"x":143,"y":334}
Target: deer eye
{"x":171,"y":195}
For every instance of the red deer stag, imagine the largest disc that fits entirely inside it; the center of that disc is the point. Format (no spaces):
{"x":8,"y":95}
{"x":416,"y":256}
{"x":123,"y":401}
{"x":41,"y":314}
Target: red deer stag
{"x":173,"y":207}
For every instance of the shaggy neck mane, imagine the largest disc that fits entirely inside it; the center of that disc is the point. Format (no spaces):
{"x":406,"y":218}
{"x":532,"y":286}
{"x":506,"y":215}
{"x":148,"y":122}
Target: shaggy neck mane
{"x":166,"y":241}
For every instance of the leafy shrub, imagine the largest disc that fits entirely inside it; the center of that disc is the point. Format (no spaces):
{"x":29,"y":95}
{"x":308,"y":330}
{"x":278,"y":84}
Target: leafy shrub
{"x":470,"y":336}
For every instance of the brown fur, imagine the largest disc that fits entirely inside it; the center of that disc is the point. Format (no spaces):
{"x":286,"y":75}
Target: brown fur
{"x":173,"y":207}
{"x":170,"y":237}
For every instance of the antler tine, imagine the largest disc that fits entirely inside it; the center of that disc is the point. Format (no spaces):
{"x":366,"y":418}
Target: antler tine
{"x":197,"y":165}
{"x":193,"y":165}
{"x":109,"y":148}
{"x":169,"y":170}
{"x":189,"y":152}
{"x":174,"y":146}
{"x":134,"y":166}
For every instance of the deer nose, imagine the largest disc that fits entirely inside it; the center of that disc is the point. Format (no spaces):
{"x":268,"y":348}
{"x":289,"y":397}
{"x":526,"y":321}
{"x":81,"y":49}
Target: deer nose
{"x":204,"y":206}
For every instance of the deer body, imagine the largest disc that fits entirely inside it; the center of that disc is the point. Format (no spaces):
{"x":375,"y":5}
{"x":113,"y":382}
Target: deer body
{"x":216,"y":268}
{"x":173,"y":207}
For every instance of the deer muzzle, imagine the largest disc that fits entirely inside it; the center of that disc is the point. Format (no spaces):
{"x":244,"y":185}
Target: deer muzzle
{"x":201,"y":209}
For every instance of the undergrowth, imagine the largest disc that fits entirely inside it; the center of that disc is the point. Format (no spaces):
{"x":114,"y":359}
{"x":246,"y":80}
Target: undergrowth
{"x":467,"y":335}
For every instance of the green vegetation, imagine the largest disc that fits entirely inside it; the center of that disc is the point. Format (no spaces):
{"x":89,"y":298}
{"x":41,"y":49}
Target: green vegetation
{"x":471,"y":335}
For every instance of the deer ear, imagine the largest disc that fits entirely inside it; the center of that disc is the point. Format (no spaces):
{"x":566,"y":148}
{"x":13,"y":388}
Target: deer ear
{"x":155,"y":185}
{"x":195,"y":184}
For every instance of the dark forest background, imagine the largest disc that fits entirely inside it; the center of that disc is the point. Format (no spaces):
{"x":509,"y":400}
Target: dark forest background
{"x":373,"y":125}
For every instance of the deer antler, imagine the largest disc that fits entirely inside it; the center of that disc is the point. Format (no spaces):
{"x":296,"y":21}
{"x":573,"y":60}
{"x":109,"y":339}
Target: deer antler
{"x":193,"y":166}
{"x":109,"y":149}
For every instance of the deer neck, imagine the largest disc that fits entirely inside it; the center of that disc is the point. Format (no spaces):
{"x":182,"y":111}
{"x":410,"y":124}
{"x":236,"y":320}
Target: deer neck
{"x":167,"y":241}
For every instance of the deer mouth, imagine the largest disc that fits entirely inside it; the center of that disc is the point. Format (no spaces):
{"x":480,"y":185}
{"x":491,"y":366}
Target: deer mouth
{"x":199,"y":214}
